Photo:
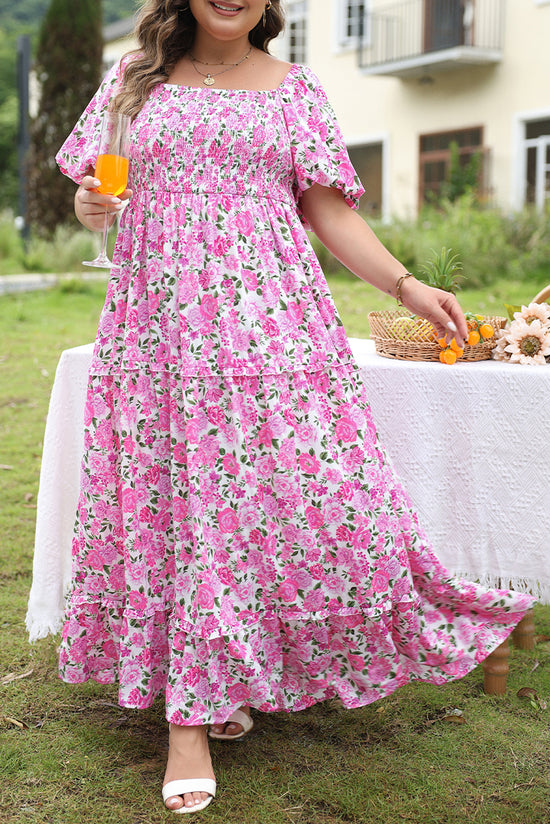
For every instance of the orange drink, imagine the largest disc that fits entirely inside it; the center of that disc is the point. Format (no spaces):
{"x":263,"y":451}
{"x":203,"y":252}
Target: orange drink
{"x":112,"y":170}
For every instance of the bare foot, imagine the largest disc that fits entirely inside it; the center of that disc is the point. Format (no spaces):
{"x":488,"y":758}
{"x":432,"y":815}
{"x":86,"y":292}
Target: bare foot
{"x":232,"y":728}
{"x":188,"y":757}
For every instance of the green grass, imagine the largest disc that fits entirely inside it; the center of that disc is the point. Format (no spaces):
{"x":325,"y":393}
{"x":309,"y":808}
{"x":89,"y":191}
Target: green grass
{"x":78,"y":757}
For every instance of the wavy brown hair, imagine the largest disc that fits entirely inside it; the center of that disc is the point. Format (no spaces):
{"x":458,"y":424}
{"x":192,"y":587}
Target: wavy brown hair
{"x":165,"y":32}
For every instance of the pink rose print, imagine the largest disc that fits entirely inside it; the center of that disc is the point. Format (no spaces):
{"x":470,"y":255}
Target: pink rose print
{"x":346,"y":430}
{"x":245,"y":223}
{"x":314,"y":517}
{"x":239,"y":693}
{"x":129,"y":500}
{"x":205,"y":596}
{"x":209,"y":307}
{"x":287,"y":591}
{"x":380,"y":581}
{"x":180,"y":509}
{"x":222,"y":245}
{"x":356,"y":661}
{"x":137,"y":600}
{"x":228,"y":520}
{"x":230,"y":464}
{"x":309,"y":464}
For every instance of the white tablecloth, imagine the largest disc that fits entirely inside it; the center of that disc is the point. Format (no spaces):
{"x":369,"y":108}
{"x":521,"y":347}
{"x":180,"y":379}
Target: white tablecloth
{"x":470,"y":442}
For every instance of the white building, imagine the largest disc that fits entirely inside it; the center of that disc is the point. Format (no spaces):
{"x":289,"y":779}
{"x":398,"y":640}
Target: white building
{"x":408,"y":77}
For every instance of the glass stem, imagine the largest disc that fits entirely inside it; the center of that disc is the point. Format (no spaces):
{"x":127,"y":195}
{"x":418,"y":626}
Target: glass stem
{"x":105,"y":233}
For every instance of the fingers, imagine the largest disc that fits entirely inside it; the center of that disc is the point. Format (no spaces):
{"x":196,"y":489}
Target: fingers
{"x":91,"y":205}
{"x":90,"y":182}
{"x":456,"y":322}
{"x":441,"y":308}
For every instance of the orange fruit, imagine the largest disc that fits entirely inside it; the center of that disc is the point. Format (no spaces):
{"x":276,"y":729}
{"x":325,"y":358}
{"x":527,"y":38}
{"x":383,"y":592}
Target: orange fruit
{"x":447,"y":356}
{"x":473,"y":338}
{"x":442,"y":342}
{"x":486,"y":330}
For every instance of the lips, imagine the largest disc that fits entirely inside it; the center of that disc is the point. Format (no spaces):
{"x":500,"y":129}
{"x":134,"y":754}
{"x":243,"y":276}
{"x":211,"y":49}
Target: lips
{"x":226,"y":9}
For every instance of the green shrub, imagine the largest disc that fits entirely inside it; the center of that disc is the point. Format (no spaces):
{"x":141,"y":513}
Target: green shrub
{"x":490,"y":244}
{"x":63,"y":253}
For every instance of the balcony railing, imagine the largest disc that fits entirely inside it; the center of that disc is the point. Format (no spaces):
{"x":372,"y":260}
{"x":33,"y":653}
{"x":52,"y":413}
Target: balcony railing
{"x":411,"y":37}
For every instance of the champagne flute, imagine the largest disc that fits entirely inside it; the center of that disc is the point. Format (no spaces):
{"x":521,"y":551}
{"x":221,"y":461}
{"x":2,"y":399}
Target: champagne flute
{"x":111,"y":169}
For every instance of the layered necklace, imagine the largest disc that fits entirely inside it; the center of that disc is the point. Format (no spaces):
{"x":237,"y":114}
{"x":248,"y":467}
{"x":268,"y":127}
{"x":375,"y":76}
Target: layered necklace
{"x":209,"y":79}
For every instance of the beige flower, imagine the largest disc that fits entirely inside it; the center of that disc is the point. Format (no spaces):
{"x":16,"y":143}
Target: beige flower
{"x":535,"y":311}
{"x":499,"y":350}
{"x":529,"y":343}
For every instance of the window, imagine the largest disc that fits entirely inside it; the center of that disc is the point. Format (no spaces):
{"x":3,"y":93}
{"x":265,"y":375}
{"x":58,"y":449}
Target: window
{"x":435,"y":158}
{"x":537,"y":145}
{"x":352,"y":22}
{"x":296,"y":32}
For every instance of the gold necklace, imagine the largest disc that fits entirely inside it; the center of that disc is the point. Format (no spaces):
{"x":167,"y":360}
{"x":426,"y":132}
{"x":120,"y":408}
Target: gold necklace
{"x":209,"y":78}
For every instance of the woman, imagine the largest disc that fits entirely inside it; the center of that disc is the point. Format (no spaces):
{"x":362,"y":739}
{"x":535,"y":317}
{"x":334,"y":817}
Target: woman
{"x":241,"y":539}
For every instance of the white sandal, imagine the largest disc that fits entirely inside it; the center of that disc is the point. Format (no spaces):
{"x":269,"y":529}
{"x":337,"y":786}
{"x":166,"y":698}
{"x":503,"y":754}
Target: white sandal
{"x":238,"y":717}
{"x":189,"y":785}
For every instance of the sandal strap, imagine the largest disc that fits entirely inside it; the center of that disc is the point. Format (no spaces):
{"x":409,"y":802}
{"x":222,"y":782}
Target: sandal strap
{"x":240,"y":717}
{"x":189,"y":785}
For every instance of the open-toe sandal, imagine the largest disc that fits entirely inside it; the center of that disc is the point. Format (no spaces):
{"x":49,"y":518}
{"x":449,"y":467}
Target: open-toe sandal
{"x":189,"y":785}
{"x":238,"y":717}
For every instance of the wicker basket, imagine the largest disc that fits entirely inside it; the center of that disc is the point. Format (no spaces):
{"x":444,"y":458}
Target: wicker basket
{"x":542,"y":296}
{"x":397,"y":335}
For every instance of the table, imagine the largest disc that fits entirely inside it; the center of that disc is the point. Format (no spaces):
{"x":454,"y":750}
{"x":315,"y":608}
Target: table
{"x":469,"y":441}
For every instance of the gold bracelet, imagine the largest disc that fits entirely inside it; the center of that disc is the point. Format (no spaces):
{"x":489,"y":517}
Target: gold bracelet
{"x":398,"y":286}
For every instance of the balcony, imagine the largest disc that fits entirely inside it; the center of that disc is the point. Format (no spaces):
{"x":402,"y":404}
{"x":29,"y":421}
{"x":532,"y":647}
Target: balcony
{"x":415,"y":38}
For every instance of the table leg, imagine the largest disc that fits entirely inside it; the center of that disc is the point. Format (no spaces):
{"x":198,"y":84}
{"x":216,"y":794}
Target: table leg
{"x":524,"y":634}
{"x":495,"y":668}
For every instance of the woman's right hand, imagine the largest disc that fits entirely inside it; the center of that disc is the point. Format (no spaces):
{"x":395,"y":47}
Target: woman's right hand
{"x":90,"y":205}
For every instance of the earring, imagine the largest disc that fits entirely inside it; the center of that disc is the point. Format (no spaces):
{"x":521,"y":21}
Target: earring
{"x":264,"y":18}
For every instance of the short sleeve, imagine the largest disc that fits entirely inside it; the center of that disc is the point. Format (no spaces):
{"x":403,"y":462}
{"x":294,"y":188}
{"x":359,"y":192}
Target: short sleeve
{"x":79,"y":151}
{"x":317,"y":145}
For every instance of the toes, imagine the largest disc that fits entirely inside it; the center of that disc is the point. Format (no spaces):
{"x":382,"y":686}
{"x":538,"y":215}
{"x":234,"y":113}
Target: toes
{"x":175,"y":802}
{"x":194,"y":798}
{"x":234,"y":729}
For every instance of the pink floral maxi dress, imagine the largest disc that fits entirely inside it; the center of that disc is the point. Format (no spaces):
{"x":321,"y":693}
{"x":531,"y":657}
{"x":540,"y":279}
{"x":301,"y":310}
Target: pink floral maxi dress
{"x":241,"y":537}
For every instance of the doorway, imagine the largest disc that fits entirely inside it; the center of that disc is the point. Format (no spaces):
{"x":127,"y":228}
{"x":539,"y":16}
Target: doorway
{"x":443,"y":24}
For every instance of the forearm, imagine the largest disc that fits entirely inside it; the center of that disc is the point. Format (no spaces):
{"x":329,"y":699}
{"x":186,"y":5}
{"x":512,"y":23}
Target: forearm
{"x":351,"y":240}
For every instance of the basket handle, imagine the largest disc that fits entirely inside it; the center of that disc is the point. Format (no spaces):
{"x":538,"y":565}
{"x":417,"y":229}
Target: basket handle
{"x":542,"y":295}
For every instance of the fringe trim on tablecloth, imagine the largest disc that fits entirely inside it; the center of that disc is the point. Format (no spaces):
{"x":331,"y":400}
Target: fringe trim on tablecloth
{"x":538,"y":589}
{"x":46,"y":610}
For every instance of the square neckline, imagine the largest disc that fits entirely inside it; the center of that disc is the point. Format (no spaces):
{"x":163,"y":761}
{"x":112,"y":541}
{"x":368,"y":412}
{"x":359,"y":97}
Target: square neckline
{"x":293,"y":67}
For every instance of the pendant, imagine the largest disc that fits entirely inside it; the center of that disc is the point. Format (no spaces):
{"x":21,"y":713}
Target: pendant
{"x":209,"y":80}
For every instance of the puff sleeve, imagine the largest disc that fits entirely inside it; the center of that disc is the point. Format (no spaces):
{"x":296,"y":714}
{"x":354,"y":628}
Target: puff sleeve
{"x":79,"y":151}
{"x":319,"y":153}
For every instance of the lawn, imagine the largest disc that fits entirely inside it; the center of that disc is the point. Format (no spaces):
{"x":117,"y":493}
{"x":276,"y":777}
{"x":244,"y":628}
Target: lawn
{"x":70,"y":754}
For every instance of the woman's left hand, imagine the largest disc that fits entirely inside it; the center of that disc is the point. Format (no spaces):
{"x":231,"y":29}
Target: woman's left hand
{"x":440,"y":308}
